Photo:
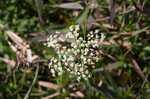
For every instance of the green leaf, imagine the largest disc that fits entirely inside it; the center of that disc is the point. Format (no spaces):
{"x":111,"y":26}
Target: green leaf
{"x":140,"y":31}
{"x":147,"y":48}
{"x":110,"y":67}
{"x":82,"y":16}
{"x":1,"y":47}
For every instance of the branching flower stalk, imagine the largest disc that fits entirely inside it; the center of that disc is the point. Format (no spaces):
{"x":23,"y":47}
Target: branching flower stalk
{"x":75,"y":54}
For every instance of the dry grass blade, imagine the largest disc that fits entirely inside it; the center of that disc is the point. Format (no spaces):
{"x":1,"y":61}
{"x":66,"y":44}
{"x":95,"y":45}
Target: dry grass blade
{"x":48,"y":85}
{"x":108,"y":55}
{"x":10,"y":62}
{"x":77,"y":94}
{"x":111,"y":42}
{"x":73,"y":5}
{"x":107,"y":18}
{"x":55,"y":87}
{"x":138,"y":70}
{"x":142,"y":9}
{"x":12,"y":35}
{"x":51,"y":96}
{"x":12,"y":46}
{"x":29,"y":55}
{"x":25,"y":48}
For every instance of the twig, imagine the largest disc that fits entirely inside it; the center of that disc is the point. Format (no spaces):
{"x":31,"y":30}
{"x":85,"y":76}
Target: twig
{"x":112,"y":12}
{"x":33,"y":83}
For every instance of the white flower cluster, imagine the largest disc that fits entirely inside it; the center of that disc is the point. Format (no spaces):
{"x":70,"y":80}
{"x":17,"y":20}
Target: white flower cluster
{"x":75,"y":54}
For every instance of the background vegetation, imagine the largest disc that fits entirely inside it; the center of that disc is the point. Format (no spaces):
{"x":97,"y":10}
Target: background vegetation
{"x":123,"y":71}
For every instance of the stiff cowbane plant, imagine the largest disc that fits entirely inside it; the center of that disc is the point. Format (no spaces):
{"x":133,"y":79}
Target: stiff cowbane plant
{"x":76,"y":54}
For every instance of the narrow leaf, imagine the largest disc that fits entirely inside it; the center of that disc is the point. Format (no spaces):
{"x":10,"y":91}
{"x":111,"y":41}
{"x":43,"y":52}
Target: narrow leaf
{"x":110,"y":67}
{"x":74,"y":5}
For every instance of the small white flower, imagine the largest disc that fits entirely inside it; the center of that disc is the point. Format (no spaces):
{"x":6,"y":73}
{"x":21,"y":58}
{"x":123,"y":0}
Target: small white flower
{"x":97,"y":53}
{"x":82,"y":51}
{"x":89,"y":42}
{"x":102,"y":37}
{"x":68,"y":70}
{"x":81,"y":69}
{"x":73,"y":58}
{"x":50,"y":63}
{"x":89,"y":76}
{"x":78,"y":50}
{"x":72,"y":65}
{"x":60,"y":68}
{"x":82,"y":57}
{"x":77,"y":28}
{"x":53,"y":75}
{"x":78,"y":41}
{"x":55,"y":66}
{"x":88,"y":35}
{"x":89,"y":60}
{"x":78,"y":73}
{"x":75,"y":53}
{"x":85,"y":53}
{"x":97,"y":36}
{"x":59,"y":73}
{"x":92,"y":63}
{"x":84,"y":60}
{"x":77,"y":34}
{"x":57,"y":32}
{"x":91,"y":54}
{"x":83,"y":75}
{"x":96,"y":31}
{"x":75,"y":69}
{"x":91,"y":32}
{"x":69,"y":50}
{"x":66,"y":63}
{"x":79,"y":78}
{"x":64,"y":56}
{"x":64,"y":47}
{"x":80,"y":38}
{"x":95,"y":45}
{"x":61,"y":39}
{"x":71,"y":28}
{"x":52,"y":71}
{"x":92,"y":50}
{"x":55,"y":60}
{"x":79,"y":65}
{"x":87,"y":72}
{"x":97,"y":59}
{"x":92,"y":36}
{"x":55,"y":36}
